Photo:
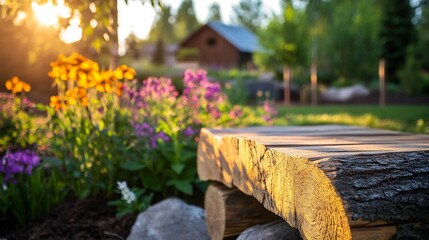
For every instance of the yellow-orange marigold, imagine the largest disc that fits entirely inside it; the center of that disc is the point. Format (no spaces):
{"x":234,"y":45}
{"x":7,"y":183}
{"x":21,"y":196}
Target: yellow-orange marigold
{"x":16,"y":85}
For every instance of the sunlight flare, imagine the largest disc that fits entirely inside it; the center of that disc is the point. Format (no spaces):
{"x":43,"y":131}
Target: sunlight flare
{"x":48,"y":13}
{"x":73,"y":32}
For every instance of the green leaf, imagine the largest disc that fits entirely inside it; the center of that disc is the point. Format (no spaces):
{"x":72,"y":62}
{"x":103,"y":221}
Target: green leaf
{"x":183,"y":186}
{"x":132,"y":166}
{"x":188,"y":155}
{"x":178,"y":168}
{"x":151,"y":181}
{"x":84,"y":194}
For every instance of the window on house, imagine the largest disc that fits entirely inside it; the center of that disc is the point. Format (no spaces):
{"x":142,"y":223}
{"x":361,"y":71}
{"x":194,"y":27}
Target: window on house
{"x":211,"y":41}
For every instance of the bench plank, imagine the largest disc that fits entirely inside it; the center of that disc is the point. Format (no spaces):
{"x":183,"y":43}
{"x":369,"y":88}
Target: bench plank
{"x":316,"y":176}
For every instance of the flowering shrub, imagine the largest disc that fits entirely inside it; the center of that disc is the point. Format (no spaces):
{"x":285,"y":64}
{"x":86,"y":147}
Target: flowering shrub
{"x":90,"y":130}
{"x":106,"y":127}
{"x":26,"y":191}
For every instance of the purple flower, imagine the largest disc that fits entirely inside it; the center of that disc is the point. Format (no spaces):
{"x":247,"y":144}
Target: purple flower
{"x":158,"y":136}
{"x":147,"y":132}
{"x":18,"y":162}
{"x":269,"y":108}
{"x":201,"y":94}
{"x":189,"y":131}
{"x":269,"y":111}
{"x":236,"y":112}
{"x":162,"y":136}
{"x":143,"y":130}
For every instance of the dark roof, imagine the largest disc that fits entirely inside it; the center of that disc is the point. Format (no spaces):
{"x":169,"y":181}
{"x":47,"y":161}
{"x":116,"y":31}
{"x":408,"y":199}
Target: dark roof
{"x":240,"y":37}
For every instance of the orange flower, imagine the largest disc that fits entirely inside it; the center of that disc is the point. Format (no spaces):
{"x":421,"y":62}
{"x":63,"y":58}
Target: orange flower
{"x":119,"y":88}
{"x":16,"y":85}
{"x":74,"y":68}
{"x":108,"y":80}
{"x":77,"y":94}
{"x":57,"y":103}
{"x":126,"y":72}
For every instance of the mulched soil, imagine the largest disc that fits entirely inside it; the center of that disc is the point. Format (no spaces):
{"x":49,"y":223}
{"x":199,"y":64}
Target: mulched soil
{"x":77,"y":219}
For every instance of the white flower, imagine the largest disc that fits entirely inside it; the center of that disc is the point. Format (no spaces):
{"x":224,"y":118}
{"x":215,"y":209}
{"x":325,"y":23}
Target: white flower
{"x":4,"y":187}
{"x":122,"y":185}
{"x":127,"y":194}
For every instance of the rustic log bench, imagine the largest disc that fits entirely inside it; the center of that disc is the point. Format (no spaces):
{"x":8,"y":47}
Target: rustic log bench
{"x":329,"y":182}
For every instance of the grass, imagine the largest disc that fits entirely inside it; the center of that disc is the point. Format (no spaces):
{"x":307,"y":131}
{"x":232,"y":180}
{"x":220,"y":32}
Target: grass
{"x":400,"y":118}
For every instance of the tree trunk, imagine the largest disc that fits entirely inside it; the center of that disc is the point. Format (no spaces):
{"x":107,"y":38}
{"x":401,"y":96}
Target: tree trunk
{"x":324,"y":180}
{"x":229,"y":212}
{"x":114,"y":62}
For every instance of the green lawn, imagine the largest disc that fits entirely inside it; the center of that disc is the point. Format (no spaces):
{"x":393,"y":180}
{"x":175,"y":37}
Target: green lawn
{"x":402,"y":118}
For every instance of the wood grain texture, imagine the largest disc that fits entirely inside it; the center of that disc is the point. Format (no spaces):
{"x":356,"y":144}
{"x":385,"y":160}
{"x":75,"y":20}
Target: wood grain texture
{"x":229,"y":211}
{"x":308,"y":175}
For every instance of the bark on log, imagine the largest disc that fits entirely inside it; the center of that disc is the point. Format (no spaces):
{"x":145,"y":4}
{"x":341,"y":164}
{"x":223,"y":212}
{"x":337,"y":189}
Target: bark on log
{"x":229,"y":212}
{"x":314,"y":185}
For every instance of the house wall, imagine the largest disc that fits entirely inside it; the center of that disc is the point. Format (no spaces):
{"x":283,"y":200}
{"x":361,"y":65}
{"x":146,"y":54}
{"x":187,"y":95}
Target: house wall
{"x":214,"y":50}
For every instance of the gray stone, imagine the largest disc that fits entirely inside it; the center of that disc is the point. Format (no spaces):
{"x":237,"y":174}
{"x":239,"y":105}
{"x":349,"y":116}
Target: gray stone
{"x":271,"y":231}
{"x":170,"y":219}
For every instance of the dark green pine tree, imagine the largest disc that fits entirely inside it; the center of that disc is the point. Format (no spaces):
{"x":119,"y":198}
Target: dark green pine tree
{"x":159,"y":53}
{"x":397,"y":32}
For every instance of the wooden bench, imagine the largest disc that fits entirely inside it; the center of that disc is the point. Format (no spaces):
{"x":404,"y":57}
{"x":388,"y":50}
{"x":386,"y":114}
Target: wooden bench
{"x":329,"y":182}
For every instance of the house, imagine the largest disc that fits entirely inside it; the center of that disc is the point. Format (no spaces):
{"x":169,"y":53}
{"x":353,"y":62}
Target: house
{"x":222,"y":46}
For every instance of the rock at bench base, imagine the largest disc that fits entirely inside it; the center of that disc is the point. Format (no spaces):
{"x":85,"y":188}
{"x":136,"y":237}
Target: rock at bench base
{"x":271,"y":231}
{"x":170,"y":219}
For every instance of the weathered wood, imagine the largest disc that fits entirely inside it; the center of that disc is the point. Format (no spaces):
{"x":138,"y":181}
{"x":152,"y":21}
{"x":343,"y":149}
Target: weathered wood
{"x":229,"y":211}
{"x":372,"y":175}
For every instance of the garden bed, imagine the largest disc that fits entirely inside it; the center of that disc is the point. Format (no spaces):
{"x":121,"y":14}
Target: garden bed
{"x":75,"y":219}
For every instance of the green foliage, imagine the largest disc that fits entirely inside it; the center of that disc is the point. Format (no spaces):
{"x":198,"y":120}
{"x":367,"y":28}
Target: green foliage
{"x":16,"y":123}
{"x":132,"y":201}
{"x":284,"y":41}
{"x":90,"y":152}
{"x":414,"y":75}
{"x":214,"y":12}
{"x":186,"y":20}
{"x":163,"y":27}
{"x":25,"y":196}
{"x":413,"y":79}
{"x":32,"y":196}
{"x":188,"y":54}
{"x":352,"y":35}
{"x":396,"y":34}
{"x":133,"y":45}
{"x":248,"y":14}
{"x":159,"y":53}
{"x":400,"y":118}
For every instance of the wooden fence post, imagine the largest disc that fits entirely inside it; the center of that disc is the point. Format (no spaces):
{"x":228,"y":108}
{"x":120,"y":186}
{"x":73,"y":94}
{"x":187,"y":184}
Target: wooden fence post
{"x":286,"y":80}
{"x":314,"y":84}
{"x":382,"y":77}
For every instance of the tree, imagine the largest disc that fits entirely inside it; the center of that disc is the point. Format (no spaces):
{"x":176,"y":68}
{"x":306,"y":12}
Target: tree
{"x":133,"y":45}
{"x":284,"y":40}
{"x":214,"y":12}
{"x":248,"y":13}
{"x":351,"y":37}
{"x":186,"y":20}
{"x":396,"y":34}
{"x":163,"y":27}
{"x":414,"y":75}
{"x":104,"y":11}
{"x":159,"y":53}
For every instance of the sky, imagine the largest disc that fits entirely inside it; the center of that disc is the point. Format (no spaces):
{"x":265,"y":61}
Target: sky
{"x":138,"y":18}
